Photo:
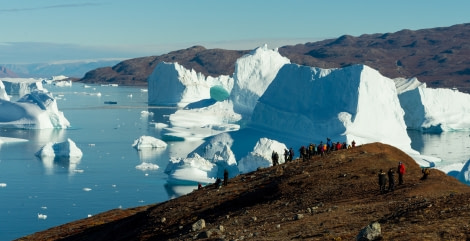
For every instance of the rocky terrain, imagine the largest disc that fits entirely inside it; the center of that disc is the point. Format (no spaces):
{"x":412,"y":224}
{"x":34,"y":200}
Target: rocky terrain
{"x":438,"y":56}
{"x":323,"y":198}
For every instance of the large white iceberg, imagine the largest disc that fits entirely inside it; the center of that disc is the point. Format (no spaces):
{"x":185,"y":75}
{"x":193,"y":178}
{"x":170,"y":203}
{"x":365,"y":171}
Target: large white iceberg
{"x":352,"y":103}
{"x":433,"y":110}
{"x":36,"y":110}
{"x":171,"y":84}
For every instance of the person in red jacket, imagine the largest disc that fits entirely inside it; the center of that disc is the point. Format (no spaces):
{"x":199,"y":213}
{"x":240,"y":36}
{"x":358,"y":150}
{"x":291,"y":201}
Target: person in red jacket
{"x":401,"y":172}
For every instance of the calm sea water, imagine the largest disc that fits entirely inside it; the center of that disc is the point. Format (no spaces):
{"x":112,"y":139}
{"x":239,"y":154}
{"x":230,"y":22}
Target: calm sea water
{"x":106,"y":177}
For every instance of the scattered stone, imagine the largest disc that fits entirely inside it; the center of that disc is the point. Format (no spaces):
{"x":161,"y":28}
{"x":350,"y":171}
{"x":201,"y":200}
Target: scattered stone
{"x":298,"y":216}
{"x":162,"y":220}
{"x":278,"y":226}
{"x":373,"y":231}
{"x":199,"y":225}
{"x":309,"y":210}
{"x":254,"y":219}
{"x":209,"y":233}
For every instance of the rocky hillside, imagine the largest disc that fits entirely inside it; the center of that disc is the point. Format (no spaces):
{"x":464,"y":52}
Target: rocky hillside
{"x":4,"y":72}
{"x":213,"y":62}
{"x":324,"y":198}
{"x":438,"y":56}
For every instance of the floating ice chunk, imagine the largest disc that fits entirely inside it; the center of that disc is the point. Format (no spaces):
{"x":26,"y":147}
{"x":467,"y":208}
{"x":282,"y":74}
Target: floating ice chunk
{"x":147,"y":166}
{"x":62,"y":149}
{"x":146,"y":113}
{"x":148,"y":142}
{"x":86,"y":189}
{"x":42,"y":216}
{"x":3,"y":185}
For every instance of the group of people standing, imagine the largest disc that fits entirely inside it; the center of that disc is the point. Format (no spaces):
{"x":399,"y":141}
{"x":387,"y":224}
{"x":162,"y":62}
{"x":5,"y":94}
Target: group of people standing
{"x":307,"y":152}
{"x":391,"y":178}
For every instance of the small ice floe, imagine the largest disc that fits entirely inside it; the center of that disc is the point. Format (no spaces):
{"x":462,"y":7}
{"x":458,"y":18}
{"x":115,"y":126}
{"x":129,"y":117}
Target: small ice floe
{"x":42,"y":216}
{"x":89,"y":215}
{"x":114,"y":185}
{"x":148,"y":142}
{"x":78,"y":170}
{"x":3,"y":185}
{"x":160,"y":125}
{"x":147,"y":166}
{"x":86,"y":189}
{"x":144,"y":90}
{"x":146,"y":113}
{"x":129,"y":95}
{"x":141,"y":201}
{"x":44,"y":207}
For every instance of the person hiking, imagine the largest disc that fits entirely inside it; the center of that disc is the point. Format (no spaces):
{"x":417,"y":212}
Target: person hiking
{"x":218,"y":183}
{"x":320,"y":148}
{"x":286,"y":155}
{"x":291,"y":154}
{"x":391,"y":180}
{"x":311,"y":150}
{"x":353,"y":144}
{"x":275,"y":158}
{"x":426,"y":173}
{"x":401,"y":172}
{"x":225,"y":177}
{"x":382,"y":181}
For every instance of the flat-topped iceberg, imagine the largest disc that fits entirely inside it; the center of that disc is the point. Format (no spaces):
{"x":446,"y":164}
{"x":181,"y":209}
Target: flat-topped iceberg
{"x":433,"y":110}
{"x":351,"y":103}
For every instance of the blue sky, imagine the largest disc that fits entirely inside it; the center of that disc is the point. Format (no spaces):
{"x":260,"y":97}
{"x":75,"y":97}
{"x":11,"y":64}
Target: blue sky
{"x":57,"y":30}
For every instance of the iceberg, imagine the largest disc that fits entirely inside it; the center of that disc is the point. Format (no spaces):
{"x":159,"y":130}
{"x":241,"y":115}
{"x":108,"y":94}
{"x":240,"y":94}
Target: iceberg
{"x":352,"y":103}
{"x":190,"y":170}
{"x":204,"y":164}
{"x":60,"y":149}
{"x":433,"y":110}
{"x":36,"y":110}
{"x":145,"y":142}
{"x":170,"y":84}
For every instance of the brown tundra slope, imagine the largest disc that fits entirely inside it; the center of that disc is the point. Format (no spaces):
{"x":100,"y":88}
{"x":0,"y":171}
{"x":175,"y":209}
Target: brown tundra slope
{"x":438,"y":56}
{"x":324,"y":198}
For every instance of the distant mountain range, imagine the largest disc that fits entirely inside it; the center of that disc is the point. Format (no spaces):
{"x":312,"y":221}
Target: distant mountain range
{"x":75,"y":69}
{"x":438,"y":56}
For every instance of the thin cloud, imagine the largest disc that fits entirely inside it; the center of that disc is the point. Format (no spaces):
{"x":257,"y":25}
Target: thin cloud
{"x":11,"y":10}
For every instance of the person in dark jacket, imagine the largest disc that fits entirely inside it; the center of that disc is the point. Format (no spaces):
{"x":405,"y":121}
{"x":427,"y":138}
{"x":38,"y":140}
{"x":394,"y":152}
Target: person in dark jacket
{"x":382,"y":181}
{"x":225,"y":177}
{"x":391,"y":180}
